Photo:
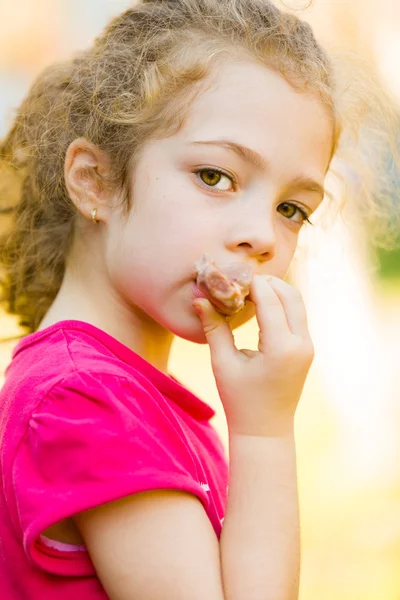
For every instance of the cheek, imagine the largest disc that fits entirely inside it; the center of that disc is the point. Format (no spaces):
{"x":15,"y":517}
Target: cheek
{"x":285,"y":250}
{"x":286,"y":245}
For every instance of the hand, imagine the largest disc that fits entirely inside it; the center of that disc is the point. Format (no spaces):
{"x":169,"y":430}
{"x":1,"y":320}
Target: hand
{"x":260,"y":390}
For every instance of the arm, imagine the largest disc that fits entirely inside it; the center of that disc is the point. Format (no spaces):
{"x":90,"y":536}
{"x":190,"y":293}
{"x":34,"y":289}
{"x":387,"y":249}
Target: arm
{"x":155,"y":545}
{"x":260,"y":541}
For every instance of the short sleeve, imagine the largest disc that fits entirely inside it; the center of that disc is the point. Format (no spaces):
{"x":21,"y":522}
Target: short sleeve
{"x":93,"y":439}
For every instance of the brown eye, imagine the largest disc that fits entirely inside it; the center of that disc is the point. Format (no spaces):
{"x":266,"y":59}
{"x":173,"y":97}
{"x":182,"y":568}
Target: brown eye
{"x":210,"y":177}
{"x":213,"y":178}
{"x":289,"y":210}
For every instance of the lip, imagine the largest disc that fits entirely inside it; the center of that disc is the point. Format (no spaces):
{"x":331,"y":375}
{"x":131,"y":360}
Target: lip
{"x":197,"y":293}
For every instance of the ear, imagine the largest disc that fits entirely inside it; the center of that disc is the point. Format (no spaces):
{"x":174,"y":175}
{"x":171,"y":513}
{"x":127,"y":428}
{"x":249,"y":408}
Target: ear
{"x":86,"y":171}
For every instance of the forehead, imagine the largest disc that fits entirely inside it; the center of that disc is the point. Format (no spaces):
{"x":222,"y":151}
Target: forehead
{"x":258,"y":108}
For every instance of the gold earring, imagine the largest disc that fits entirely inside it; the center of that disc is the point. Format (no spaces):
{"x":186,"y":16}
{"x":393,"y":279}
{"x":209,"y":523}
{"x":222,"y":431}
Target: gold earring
{"x":94,"y":220}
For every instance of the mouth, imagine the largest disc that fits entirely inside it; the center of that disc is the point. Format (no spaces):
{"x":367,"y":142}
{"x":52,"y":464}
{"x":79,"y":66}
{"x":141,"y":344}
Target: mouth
{"x":226,"y":287}
{"x":197,"y":293}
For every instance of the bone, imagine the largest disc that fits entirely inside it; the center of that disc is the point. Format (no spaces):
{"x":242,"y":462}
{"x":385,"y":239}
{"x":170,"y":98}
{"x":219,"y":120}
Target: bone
{"x":225,"y":286}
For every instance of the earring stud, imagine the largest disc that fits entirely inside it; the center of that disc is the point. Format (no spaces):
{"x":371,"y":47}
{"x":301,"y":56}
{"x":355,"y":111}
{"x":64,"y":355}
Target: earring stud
{"x":94,"y":220}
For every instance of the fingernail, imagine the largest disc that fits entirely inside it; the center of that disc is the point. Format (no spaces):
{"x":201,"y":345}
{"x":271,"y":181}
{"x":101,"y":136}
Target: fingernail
{"x":199,"y":307}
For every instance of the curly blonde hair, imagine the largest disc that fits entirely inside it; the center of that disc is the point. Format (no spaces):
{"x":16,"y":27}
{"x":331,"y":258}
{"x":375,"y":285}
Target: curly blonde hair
{"x":136,"y":82}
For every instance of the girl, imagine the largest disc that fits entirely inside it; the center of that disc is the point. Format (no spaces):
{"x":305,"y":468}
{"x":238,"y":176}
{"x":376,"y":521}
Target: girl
{"x":190,"y":126}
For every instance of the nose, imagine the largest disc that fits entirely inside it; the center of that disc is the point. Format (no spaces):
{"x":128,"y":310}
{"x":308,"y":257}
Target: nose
{"x":257,"y":235}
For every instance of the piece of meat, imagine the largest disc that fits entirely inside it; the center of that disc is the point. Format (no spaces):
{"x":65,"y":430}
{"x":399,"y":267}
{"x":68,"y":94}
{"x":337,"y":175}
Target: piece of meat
{"x":226,"y":287}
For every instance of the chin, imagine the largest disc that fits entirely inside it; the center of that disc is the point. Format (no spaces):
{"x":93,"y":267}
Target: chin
{"x":193,"y":333}
{"x":192,"y":330}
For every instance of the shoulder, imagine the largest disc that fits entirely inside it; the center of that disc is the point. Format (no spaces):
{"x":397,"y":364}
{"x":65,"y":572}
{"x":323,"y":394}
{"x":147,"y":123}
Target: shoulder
{"x":65,"y":375}
{"x":99,"y":394}
{"x":64,"y":352}
{"x":91,"y":430}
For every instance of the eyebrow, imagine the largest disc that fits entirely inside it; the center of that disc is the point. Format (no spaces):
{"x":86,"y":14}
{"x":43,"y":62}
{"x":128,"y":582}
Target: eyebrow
{"x":254,"y":158}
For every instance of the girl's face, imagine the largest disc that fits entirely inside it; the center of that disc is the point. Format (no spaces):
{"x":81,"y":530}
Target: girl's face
{"x":236,"y":182}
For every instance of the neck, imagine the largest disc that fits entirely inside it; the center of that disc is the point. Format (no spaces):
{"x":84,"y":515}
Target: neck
{"x":132,"y":327}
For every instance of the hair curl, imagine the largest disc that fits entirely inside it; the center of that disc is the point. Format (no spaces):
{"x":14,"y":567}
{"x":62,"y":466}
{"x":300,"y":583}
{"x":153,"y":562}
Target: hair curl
{"x":133,"y":84}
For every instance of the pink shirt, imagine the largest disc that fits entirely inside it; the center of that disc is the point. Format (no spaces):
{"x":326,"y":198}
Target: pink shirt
{"x":83,"y":421}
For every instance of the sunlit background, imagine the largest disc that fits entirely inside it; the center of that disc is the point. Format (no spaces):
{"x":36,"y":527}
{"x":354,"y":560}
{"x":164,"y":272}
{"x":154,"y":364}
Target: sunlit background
{"x":348,"y":422}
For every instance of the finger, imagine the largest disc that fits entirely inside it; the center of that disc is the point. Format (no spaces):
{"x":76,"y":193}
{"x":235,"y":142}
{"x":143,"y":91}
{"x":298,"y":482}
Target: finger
{"x":270,"y":314}
{"x":217,"y":331}
{"x":293,"y":305}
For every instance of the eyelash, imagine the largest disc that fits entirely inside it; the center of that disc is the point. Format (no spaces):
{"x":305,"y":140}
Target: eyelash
{"x":233,"y":180}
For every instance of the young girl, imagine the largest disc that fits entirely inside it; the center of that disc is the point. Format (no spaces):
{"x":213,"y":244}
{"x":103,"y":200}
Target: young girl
{"x":190,"y":127}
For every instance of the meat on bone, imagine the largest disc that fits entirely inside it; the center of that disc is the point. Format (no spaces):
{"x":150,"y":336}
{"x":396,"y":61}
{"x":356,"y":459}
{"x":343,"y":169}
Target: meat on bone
{"x":226,"y":287}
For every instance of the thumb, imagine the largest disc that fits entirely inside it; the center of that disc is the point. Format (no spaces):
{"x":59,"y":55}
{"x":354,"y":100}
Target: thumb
{"x":217,"y":331}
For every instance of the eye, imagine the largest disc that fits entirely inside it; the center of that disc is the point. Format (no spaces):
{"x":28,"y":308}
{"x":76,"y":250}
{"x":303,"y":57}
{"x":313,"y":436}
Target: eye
{"x":212,"y":177}
{"x":290,"y":210}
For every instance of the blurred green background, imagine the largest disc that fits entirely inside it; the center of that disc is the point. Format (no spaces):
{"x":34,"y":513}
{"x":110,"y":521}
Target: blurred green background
{"x":389,"y":262}
{"x":348,"y":422}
